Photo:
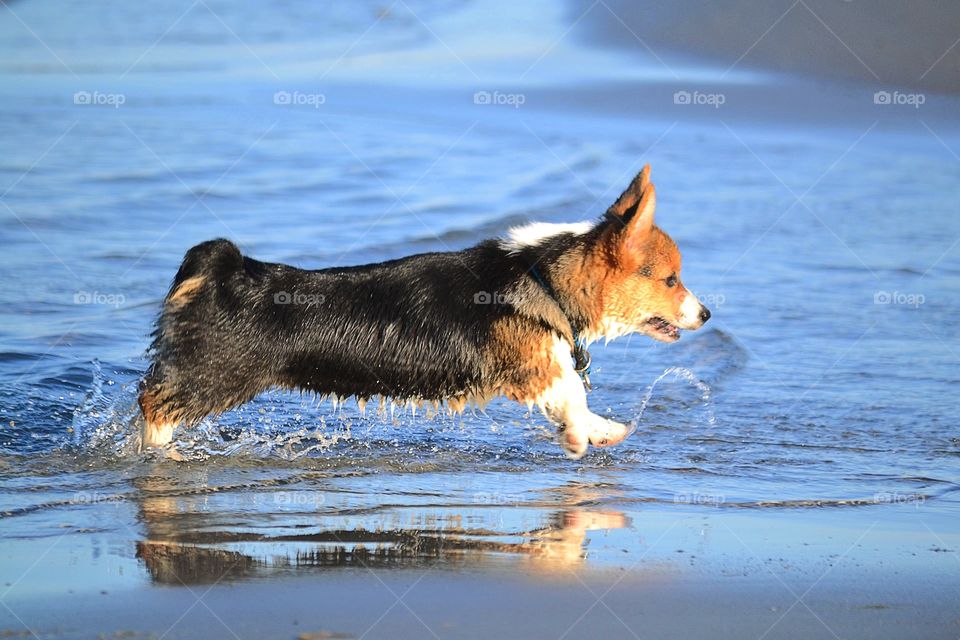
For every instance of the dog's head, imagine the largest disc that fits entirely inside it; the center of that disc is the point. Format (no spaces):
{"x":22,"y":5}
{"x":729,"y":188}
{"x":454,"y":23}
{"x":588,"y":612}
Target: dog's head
{"x":641,"y":290}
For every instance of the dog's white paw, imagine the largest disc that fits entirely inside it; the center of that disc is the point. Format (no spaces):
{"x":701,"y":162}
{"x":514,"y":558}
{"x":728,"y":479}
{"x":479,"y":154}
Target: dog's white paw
{"x":574,"y":440}
{"x":605,"y":433}
{"x":591,"y":429}
{"x":155,"y":435}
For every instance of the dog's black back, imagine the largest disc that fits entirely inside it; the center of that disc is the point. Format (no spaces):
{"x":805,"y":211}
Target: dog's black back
{"x":413,"y":328}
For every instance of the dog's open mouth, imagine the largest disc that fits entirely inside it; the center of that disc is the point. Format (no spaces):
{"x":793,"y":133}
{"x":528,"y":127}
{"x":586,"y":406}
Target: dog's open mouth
{"x":663,"y":330}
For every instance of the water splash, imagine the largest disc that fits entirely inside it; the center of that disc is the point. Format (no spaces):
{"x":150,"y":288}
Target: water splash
{"x":280,"y":426}
{"x":680,"y":374}
{"x":106,"y":420}
{"x":261,"y":440}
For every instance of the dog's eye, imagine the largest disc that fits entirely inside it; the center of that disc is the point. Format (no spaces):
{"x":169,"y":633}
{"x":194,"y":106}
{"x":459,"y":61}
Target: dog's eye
{"x":672,"y":280}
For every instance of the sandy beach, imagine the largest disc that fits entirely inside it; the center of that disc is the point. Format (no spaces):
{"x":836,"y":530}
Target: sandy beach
{"x":618,"y":570}
{"x":910,"y":46}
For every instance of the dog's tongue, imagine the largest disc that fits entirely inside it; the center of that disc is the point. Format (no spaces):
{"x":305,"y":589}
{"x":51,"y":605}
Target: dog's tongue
{"x":669,"y":329}
{"x":665,"y":327}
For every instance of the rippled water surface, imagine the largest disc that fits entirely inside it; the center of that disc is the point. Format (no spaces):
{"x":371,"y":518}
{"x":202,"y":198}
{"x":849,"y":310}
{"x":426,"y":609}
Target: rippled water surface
{"x":827,"y":376}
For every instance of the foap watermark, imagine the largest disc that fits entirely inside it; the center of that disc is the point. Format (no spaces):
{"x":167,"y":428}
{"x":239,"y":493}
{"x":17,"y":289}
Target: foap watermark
{"x":492,"y":497}
{"x":712,"y":299}
{"x":94,"y":497}
{"x":99,"y":99}
{"x":699,"y":98}
{"x":498,"y":98}
{"x":97,"y":297}
{"x":712,"y":499}
{"x":298,"y":498}
{"x":899,"y":98}
{"x":899,"y":298}
{"x":299,"y":98}
{"x":893,"y":497}
{"x":492,"y":297}
{"x":298,"y":298}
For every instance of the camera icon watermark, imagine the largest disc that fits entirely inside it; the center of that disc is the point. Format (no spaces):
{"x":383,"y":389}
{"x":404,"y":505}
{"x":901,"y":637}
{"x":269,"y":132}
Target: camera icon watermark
{"x":299,"y":98}
{"x":698,"y":98}
{"x":899,"y":298}
{"x":515,"y":100}
{"x":914,"y":100}
{"x":96,"y":297}
{"x":98,"y":99}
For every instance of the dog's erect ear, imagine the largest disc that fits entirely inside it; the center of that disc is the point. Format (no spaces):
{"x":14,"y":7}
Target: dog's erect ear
{"x":629,"y":199}
{"x":632,"y":216}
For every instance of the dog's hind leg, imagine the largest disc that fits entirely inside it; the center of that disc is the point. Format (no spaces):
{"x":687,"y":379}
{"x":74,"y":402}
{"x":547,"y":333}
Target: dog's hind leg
{"x":203,"y":359}
{"x":157,"y":428}
{"x":169,"y":400}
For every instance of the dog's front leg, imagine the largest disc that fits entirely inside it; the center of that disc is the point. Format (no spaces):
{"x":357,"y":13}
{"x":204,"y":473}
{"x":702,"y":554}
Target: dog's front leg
{"x":564,"y":402}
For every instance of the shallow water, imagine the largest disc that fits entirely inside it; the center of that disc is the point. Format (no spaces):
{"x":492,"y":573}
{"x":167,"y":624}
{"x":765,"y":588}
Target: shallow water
{"x":828,"y":255}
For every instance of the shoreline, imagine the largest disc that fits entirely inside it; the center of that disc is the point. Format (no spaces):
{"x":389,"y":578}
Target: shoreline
{"x":884,"y":44}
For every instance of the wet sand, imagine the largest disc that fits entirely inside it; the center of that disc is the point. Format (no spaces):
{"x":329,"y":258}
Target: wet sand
{"x":887,"y":43}
{"x":676,"y":572}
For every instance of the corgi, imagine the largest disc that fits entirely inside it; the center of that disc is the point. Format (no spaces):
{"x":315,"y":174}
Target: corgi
{"x":508,"y":317}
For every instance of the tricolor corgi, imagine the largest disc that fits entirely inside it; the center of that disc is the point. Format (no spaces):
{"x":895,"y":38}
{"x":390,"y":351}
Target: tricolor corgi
{"x":509,"y":317}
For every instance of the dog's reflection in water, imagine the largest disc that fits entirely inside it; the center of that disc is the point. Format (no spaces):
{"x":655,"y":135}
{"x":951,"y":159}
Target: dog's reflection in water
{"x":185,"y":545}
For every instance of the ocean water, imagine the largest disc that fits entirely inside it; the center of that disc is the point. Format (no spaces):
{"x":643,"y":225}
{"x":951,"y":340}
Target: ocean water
{"x":828,"y":254}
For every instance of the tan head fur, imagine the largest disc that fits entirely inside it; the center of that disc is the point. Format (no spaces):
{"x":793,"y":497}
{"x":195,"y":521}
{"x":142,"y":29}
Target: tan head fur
{"x":641,"y":289}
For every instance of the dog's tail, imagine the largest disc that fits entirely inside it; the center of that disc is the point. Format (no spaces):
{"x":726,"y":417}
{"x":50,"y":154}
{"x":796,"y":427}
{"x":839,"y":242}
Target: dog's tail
{"x":195,"y":369}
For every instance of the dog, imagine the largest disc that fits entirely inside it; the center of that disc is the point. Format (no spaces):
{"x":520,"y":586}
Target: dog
{"x":508,"y":317}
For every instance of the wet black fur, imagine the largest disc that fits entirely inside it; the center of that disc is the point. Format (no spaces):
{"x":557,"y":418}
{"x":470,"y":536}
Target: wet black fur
{"x":407,"y":329}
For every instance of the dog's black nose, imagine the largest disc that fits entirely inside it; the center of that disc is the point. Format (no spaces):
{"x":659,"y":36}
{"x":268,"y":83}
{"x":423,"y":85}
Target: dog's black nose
{"x":704,"y":314}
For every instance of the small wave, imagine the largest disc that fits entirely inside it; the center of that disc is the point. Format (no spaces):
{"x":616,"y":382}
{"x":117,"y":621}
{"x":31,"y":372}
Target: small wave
{"x":827,"y":502}
{"x":16,"y":356}
{"x":482,"y":230}
{"x":719,"y":353}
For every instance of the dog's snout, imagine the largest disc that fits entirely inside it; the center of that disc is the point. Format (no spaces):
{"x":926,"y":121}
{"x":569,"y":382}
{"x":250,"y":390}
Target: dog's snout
{"x":704,"y":314}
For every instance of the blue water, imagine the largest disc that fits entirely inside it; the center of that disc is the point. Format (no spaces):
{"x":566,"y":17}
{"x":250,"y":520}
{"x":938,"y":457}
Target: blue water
{"x":806,"y":388}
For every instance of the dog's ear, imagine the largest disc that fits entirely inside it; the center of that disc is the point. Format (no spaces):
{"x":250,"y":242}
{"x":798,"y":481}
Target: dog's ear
{"x":629,"y":199}
{"x":631,"y":216}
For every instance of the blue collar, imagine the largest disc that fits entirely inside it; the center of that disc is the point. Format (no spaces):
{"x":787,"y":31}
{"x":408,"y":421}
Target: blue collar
{"x":580,"y":355}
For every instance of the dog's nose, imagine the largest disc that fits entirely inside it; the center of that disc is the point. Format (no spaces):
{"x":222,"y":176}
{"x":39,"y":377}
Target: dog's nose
{"x":704,"y":314}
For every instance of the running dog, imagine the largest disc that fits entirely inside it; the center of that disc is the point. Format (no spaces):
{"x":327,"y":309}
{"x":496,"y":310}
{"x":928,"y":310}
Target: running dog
{"x":508,"y":317}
